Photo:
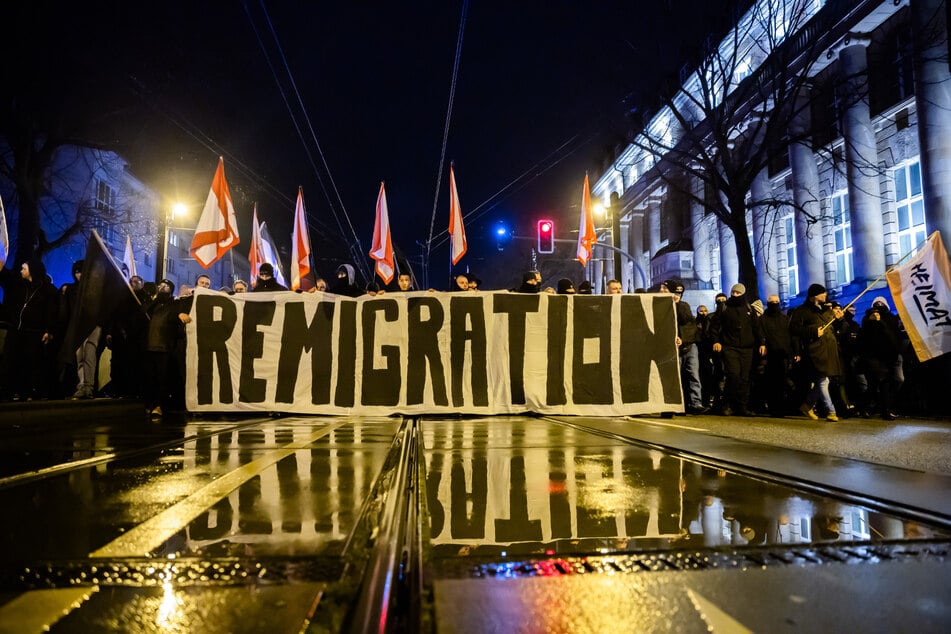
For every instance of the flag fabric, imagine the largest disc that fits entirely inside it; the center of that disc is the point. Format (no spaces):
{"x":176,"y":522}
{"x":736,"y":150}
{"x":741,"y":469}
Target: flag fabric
{"x":921,"y":289}
{"x":457,"y":233}
{"x":217,"y":229}
{"x":255,"y":254}
{"x":128,"y":259}
{"x":586,"y":235}
{"x":300,"y":248}
{"x":4,"y":237}
{"x":102,"y":293}
{"x":271,"y":255}
{"x":382,"y":248}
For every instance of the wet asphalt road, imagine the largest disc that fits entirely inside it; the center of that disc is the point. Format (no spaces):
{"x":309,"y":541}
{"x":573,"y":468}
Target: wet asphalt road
{"x":484,"y":524}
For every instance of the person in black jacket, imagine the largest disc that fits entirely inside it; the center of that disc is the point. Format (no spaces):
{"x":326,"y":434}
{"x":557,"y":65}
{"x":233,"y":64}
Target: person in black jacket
{"x":737,"y":333}
{"x":778,"y":357}
{"x":811,"y":327}
{"x":687,"y":346}
{"x":36,"y":323}
{"x":266,"y":281}
{"x":881,"y":349}
{"x":165,"y":318}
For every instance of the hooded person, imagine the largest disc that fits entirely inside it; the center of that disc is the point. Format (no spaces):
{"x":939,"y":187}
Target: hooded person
{"x":345,"y":282}
{"x":165,"y":319}
{"x":529,"y":283}
{"x":737,"y":334}
{"x":30,"y":363}
{"x":814,"y":340}
{"x":266,"y":281}
{"x":584,"y":288}
{"x":565,"y":287}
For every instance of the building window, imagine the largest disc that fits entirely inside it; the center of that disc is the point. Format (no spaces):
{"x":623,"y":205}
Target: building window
{"x":147,"y":258}
{"x":105,"y":199}
{"x":171,"y":265}
{"x":792,"y":268}
{"x":842,"y":231}
{"x":909,"y":206}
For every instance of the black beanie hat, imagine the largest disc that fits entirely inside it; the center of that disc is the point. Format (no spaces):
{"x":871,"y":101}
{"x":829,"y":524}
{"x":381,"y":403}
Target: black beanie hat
{"x":266,"y":269}
{"x":815,"y":289}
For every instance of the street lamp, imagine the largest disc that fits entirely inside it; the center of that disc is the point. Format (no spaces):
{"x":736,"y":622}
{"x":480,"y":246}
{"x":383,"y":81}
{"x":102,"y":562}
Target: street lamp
{"x":178,"y":209}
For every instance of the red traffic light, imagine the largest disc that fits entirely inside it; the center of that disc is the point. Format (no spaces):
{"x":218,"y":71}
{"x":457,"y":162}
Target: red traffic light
{"x":546,"y":236}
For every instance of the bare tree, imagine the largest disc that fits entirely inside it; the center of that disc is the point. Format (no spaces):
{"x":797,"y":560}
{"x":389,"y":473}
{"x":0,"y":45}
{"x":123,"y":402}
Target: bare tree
{"x":746,"y":103}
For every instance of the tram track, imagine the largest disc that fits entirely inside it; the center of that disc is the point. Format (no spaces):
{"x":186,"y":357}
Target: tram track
{"x":811,"y":485}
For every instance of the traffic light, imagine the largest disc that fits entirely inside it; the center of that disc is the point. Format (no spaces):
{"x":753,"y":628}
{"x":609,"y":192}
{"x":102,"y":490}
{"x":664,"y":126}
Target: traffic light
{"x":546,"y":236}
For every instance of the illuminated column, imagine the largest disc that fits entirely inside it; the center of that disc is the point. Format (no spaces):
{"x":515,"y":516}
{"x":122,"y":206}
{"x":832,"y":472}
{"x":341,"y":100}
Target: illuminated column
{"x":700,"y":236}
{"x":764,"y":236}
{"x":729,"y":264}
{"x":861,"y":161}
{"x":805,"y":177}
{"x":933,"y":104}
{"x":653,"y":225}
{"x":641,"y":275}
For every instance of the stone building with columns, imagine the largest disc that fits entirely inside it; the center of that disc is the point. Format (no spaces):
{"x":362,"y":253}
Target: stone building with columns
{"x":866,"y":166}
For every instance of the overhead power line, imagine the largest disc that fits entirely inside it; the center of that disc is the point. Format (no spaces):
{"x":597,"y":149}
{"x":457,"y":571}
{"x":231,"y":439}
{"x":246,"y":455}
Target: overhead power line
{"x":359,"y":260}
{"x":445,"y":134}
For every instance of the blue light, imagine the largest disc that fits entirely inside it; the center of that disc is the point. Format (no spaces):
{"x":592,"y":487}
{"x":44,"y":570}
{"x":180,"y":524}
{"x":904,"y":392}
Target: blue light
{"x":500,"y":231}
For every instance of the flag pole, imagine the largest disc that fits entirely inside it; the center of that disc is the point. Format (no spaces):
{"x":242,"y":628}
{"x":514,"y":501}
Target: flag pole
{"x":878,"y":279}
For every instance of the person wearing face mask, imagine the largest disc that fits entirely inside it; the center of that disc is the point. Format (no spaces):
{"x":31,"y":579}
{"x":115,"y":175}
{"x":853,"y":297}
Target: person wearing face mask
{"x":778,"y":357}
{"x":35,"y":318}
{"x":165,"y":318}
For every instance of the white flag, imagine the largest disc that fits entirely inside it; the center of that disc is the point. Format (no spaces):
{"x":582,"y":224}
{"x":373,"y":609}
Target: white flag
{"x":922,"y":293}
{"x":128,"y":259}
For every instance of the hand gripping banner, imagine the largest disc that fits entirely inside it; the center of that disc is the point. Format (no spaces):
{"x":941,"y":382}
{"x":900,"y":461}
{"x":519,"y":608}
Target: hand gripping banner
{"x":433,"y":353}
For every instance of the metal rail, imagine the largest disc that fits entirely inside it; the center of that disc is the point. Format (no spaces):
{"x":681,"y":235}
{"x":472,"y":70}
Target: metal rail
{"x":392,"y":564}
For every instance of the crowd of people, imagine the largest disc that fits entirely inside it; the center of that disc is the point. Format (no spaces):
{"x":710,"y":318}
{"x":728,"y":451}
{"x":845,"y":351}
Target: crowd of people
{"x":816,"y":360}
{"x":742,"y":358}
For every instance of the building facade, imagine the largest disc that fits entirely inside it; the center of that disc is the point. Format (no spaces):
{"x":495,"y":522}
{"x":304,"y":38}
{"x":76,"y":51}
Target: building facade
{"x":91,"y":189}
{"x":864,"y":175}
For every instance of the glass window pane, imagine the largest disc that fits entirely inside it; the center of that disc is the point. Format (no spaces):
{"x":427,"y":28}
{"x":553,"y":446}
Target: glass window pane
{"x":905,"y":245}
{"x":848,"y":238}
{"x":903,"y":220}
{"x":901,"y":189}
{"x":840,"y":269}
{"x":914,"y":177}
{"x":839,"y":241}
{"x":917,"y":213}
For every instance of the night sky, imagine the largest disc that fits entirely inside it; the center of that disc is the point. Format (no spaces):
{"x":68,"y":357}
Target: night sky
{"x":541,"y":95}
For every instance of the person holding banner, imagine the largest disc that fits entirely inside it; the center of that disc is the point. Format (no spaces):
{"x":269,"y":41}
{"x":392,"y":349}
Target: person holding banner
{"x":814,"y":340}
{"x":266,"y":281}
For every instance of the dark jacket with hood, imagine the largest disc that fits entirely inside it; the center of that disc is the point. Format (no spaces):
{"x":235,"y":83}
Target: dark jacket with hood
{"x":40,"y":309}
{"x":346,"y":285}
{"x":821,"y":352}
{"x":776,"y":329}
{"x":737,"y":326}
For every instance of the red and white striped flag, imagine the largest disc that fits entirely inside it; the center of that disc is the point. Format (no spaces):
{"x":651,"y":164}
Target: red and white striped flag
{"x":587,"y":238}
{"x":382,"y":248}
{"x":300,"y":247}
{"x":128,"y":258}
{"x":4,"y":238}
{"x":922,"y":293}
{"x":217,"y":229}
{"x":457,"y":233}
{"x":256,"y":253}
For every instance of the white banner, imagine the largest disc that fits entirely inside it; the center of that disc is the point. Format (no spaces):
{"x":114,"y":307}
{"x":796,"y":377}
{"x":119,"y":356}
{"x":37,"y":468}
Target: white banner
{"x":433,"y":353}
{"x":921,"y":290}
